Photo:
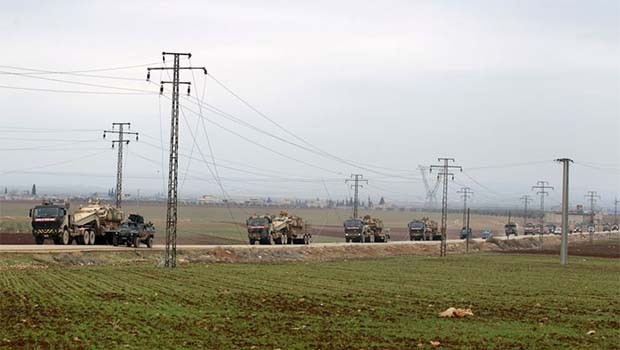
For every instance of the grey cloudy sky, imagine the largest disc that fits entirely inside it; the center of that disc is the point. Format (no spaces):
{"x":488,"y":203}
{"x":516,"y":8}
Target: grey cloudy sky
{"x":504,"y":87}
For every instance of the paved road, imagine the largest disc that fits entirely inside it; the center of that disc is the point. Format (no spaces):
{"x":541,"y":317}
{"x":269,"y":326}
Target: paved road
{"x":8,"y":248}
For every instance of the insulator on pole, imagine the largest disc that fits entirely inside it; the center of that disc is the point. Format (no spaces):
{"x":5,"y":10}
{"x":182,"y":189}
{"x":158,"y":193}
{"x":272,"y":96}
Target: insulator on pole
{"x":161,"y":90}
{"x":188,"y":89}
{"x":148,"y":75}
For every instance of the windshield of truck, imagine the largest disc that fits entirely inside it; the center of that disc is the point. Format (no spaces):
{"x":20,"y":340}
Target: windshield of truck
{"x":258,"y":222}
{"x":416,"y":224}
{"x":353,"y":223}
{"x":46,"y":212}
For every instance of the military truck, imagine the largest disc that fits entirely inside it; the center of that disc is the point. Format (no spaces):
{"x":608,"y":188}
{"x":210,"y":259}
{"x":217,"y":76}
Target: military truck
{"x":355,"y":230}
{"x":511,"y":228}
{"x":465,"y":233}
{"x":529,"y":229}
{"x":423,"y":230}
{"x":376,"y":226}
{"x":93,"y":223}
{"x":259,"y":229}
{"x":134,"y":232}
{"x":290,"y":229}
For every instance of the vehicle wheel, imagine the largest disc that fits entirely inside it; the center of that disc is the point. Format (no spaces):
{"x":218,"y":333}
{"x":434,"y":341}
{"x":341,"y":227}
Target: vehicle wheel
{"x":306,"y":239}
{"x":252,"y":241}
{"x":66,"y":237}
{"x":39,"y":239}
{"x":278,"y":241}
{"x":92,"y":237}
{"x":347,"y":240}
{"x":289,"y":240}
{"x":115,"y":241}
{"x":149,"y":242}
{"x":136,"y":242}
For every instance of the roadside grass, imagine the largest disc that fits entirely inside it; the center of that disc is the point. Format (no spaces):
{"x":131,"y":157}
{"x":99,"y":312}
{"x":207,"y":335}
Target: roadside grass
{"x":519,"y":301}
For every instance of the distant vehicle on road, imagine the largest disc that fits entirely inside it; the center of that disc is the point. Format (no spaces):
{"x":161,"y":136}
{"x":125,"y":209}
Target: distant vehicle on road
{"x":465,"y":232}
{"x":558,"y":230}
{"x":486,"y":234}
{"x":550,"y":228}
{"x":615,"y":227}
{"x":511,"y":228}
{"x":529,"y":229}
{"x":135,"y":232}
{"x":606,"y":227}
{"x":591,"y":229}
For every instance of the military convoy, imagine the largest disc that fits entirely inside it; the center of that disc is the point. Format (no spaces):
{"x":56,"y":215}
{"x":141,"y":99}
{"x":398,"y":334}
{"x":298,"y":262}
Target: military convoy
{"x":423,"y":230}
{"x":282,"y":229}
{"x":93,"y":223}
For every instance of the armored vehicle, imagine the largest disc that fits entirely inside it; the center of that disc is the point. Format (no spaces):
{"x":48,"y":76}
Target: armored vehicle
{"x":465,"y":233}
{"x":290,"y":229}
{"x":135,"y":232}
{"x":511,"y":228}
{"x":529,"y":229}
{"x":379,"y":234}
{"x":424,"y":230}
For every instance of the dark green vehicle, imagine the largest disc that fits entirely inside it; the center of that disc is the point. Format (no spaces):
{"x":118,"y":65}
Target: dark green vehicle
{"x":135,"y":232}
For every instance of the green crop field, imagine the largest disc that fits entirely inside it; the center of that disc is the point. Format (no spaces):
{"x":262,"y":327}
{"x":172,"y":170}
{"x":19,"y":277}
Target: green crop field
{"x":519,"y":301}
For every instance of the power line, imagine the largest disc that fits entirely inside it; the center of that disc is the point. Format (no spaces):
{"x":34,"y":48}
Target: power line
{"x":542,"y":187}
{"x":171,"y":208}
{"x":444,"y":172}
{"x":119,"y":165}
{"x":75,"y":91}
{"x":466,"y":193}
{"x":356,"y":179}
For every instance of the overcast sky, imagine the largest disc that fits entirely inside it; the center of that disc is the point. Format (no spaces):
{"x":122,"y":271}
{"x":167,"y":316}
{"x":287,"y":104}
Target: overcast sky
{"x":504,"y":87}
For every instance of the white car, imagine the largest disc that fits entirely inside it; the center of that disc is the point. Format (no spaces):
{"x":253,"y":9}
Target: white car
{"x":558,"y":230}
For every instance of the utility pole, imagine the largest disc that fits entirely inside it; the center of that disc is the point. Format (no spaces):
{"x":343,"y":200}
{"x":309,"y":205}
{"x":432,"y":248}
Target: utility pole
{"x":542,"y":187}
{"x":526,"y":200}
{"x":444,"y":172}
{"x":356,"y":179}
{"x":592,"y":196}
{"x":465,"y":192}
{"x":564,"y":243}
{"x":119,"y":164}
{"x":173,"y":165}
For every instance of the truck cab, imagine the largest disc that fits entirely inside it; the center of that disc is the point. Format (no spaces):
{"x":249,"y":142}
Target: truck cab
{"x":259,"y":229}
{"x":49,"y":221}
{"x":355,"y":230}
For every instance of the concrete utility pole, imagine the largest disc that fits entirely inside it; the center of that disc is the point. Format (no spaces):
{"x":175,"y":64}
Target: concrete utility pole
{"x":444,"y":172}
{"x":465,"y":192}
{"x":564,"y":244}
{"x":542,"y":186}
{"x":119,"y":164}
{"x":356,"y":179}
{"x":526,"y":200}
{"x":173,"y":168}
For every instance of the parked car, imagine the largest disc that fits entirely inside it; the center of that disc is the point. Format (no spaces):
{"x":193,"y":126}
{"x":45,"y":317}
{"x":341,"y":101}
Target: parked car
{"x":486,"y":234}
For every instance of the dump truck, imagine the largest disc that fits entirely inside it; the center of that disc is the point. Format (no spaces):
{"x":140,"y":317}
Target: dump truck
{"x":259,"y":229}
{"x":379,"y":234}
{"x":423,"y":230}
{"x":134,"y":232}
{"x":355,"y":230}
{"x":93,"y":223}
